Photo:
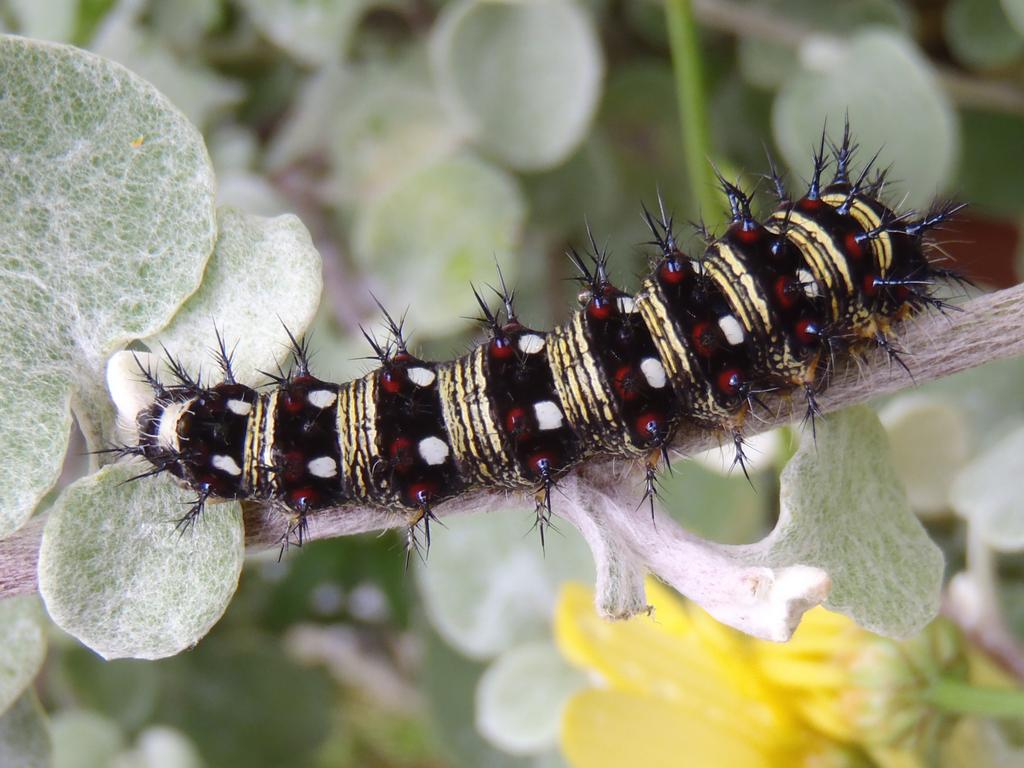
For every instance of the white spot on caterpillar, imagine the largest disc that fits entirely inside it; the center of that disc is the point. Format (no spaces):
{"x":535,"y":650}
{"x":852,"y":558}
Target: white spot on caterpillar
{"x":323,"y":466}
{"x":626,"y":305}
{"x":531,"y":343}
{"x":321,"y":398}
{"x":421,"y":377}
{"x":654,"y":372}
{"x":226,"y":464}
{"x":239,"y":407}
{"x":808,"y":283}
{"x":731,"y":328}
{"x":433,"y":450}
{"x":549,"y":415}
{"x":167,"y":434}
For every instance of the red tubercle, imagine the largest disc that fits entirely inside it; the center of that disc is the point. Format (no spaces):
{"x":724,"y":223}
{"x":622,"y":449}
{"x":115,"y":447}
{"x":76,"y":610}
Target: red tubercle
{"x":293,"y":399}
{"x":401,"y":454}
{"x":852,"y":246}
{"x":703,"y":337}
{"x":501,"y":348}
{"x":870,"y":285}
{"x":729,"y":381}
{"x":787,"y":291}
{"x":517,"y":422}
{"x":672,"y":271}
{"x":293,"y":466}
{"x":747,"y":232}
{"x":392,"y":380}
{"x":542,"y":462}
{"x":303,"y":498}
{"x":807,"y":331}
{"x":422,"y":493}
{"x":601,"y":307}
{"x":810,"y":204}
{"x":624,"y":381}
{"x":650,"y":424}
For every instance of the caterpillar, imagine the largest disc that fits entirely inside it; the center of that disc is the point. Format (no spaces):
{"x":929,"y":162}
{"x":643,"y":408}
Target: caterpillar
{"x":765,"y":307}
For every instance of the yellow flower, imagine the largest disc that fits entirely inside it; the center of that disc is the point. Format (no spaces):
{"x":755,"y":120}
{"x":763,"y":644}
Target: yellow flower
{"x":678,"y":689}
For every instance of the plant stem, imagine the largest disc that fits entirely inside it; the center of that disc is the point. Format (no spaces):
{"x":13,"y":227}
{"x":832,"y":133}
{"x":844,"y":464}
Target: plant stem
{"x":955,"y":696}
{"x":693,"y":118}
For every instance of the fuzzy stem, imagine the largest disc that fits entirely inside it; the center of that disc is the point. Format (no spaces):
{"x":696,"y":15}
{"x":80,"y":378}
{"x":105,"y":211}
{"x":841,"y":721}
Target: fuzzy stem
{"x":989,"y":328}
{"x":690,"y":98}
{"x":958,"y":697}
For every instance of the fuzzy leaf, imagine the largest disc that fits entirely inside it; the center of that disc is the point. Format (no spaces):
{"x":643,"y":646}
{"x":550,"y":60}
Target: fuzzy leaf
{"x":522,"y":79}
{"x":24,"y":738}
{"x":489,"y":586}
{"x":435,"y":232}
{"x":979,"y":34}
{"x":84,"y":739}
{"x":844,"y":509}
{"x":520,"y":698}
{"x":109,"y":199}
{"x":160,"y":747}
{"x":197,"y":91}
{"x":22,"y":646}
{"x":987,"y":494}
{"x":930,"y":440}
{"x":314,"y":31}
{"x":894,"y":102}
{"x":113,"y":572}
{"x":264,"y":275}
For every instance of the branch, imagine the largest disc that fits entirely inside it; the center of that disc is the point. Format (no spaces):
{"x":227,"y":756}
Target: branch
{"x":767,"y":602}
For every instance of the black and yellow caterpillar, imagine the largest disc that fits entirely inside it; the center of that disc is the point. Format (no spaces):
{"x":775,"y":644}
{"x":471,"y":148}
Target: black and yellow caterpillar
{"x":766,"y":307}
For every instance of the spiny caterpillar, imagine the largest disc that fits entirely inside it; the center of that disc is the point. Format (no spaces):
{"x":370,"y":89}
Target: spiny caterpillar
{"x":766,"y":307}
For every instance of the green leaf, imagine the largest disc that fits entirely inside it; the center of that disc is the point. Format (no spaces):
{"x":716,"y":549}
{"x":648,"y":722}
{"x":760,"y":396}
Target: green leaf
{"x":1014,"y":10}
{"x":45,"y":19}
{"x":125,"y":690}
{"x":314,"y":31}
{"x":521,"y":695}
{"x":979,"y":35}
{"x":83,"y":739}
{"x":894,"y":102}
{"x":110,"y":198}
{"x":374,"y":146}
{"x":160,"y":747}
{"x":265,"y":275}
{"x":522,"y":79}
{"x":990,"y":165}
{"x":768,"y":64}
{"x":435,"y":232}
{"x":929,"y":441}
{"x":449,"y":681}
{"x":197,"y":91}
{"x":113,"y":572}
{"x":489,"y":586}
{"x":843,"y":509}
{"x":987,"y":493}
{"x":24,"y":738}
{"x":246,"y":703}
{"x":22,"y":646}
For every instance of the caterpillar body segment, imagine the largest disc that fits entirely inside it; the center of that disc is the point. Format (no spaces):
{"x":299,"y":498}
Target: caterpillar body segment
{"x":764,"y":307}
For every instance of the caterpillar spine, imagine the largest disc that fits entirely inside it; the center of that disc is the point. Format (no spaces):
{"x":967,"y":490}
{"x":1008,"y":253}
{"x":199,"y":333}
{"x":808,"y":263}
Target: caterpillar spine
{"x":765,"y":307}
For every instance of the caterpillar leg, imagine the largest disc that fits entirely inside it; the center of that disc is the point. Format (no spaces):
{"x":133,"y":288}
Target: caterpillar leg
{"x":296,"y":533}
{"x":542,"y":501}
{"x":424,"y":515}
{"x":651,"y":465}
{"x":190,"y":518}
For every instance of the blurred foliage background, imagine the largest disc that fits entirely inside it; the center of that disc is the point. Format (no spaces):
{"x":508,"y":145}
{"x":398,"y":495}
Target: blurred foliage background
{"x":422,"y":140}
